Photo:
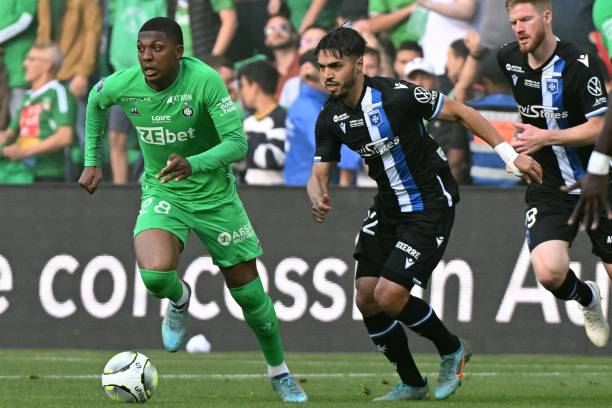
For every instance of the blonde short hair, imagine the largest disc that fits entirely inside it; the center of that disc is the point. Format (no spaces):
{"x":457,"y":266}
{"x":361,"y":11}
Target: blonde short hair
{"x":541,"y":5}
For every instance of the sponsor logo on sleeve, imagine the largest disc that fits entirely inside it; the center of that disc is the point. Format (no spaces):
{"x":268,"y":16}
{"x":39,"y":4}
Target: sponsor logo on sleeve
{"x":600,"y":101}
{"x":422,"y":95}
{"x":226,"y":105}
{"x":100,"y":86}
{"x":594,"y":86}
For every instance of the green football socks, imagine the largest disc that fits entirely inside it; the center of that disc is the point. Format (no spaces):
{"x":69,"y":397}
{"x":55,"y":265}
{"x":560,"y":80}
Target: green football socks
{"x":260,"y":316}
{"x":163,"y":284}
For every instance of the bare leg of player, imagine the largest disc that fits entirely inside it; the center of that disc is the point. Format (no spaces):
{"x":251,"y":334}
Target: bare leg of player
{"x":550,"y":261}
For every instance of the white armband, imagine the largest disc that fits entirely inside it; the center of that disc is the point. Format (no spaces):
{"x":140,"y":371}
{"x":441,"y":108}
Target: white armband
{"x":599,"y":164}
{"x":508,"y":155}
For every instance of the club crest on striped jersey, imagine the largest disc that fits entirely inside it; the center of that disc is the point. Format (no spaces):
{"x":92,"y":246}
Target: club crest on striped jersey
{"x":375,"y":118}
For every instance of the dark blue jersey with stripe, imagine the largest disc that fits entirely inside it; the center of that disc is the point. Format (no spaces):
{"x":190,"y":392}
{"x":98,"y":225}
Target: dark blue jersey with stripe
{"x":386,"y":128}
{"x":566,"y":91}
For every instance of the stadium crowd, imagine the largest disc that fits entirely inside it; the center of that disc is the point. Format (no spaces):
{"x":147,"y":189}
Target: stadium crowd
{"x":52,"y":52}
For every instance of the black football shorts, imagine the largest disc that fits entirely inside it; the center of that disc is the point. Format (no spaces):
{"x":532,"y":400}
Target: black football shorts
{"x":406,"y":252}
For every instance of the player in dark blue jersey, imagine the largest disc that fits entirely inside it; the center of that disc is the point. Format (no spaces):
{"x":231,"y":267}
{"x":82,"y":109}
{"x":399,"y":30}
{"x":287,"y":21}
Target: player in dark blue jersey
{"x":407,"y":229}
{"x":561,"y":102}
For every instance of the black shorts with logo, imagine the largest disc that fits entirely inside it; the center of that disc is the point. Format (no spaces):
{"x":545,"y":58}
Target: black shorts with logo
{"x":407,"y":252}
{"x":546,"y":220}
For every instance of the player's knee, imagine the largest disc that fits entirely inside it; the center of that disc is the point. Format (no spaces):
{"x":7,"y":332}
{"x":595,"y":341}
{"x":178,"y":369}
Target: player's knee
{"x":388,"y":302}
{"x":366,"y":303}
{"x":549,"y":273}
{"x":550,"y":281}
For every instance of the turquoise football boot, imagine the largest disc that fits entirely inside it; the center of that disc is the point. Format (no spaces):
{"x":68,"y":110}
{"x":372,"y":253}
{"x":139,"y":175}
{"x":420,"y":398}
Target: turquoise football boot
{"x":405,"y":392}
{"x":451,"y":371}
{"x":288,"y":389}
{"x":174,"y":325}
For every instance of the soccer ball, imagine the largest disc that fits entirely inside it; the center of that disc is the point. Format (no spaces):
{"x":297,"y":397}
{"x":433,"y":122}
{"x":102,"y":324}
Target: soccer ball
{"x":130,"y":377}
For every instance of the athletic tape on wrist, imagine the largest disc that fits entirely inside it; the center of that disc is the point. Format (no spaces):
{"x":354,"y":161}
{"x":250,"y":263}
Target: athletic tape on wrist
{"x":508,"y":155}
{"x":599,"y":164}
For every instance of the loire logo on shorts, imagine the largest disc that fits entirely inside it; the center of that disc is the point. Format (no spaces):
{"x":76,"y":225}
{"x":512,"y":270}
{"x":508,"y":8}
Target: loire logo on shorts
{"x":225,"y":238}
{"x":162,"y":136}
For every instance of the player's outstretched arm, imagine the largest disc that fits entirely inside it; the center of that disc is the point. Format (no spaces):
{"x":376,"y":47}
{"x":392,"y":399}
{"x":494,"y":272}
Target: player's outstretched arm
{"x":95,"y":121}
{"x":594,"y":196}
{"x":318,"y":190}
{"x":519,"y":164}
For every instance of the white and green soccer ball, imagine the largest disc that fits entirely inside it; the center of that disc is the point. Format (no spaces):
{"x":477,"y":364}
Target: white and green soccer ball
{"x":130,"y":377}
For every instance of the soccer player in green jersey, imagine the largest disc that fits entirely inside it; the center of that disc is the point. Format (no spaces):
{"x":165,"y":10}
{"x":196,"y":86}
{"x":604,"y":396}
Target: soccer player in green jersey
{"x":189,"y":133}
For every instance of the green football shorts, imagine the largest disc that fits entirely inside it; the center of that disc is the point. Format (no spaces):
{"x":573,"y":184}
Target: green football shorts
{"x":225,"y":230}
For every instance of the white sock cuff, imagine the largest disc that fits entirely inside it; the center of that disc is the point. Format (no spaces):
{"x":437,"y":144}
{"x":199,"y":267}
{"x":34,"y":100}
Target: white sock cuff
{"x":184,"y":297}
{"x":595,"y":297}
{"x":278,"y":370}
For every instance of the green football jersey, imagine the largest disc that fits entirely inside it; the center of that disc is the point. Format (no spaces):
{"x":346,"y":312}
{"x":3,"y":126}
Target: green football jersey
{"x":43,"y":112}
{"x":187,"y":118}
{"x":602,"y":17}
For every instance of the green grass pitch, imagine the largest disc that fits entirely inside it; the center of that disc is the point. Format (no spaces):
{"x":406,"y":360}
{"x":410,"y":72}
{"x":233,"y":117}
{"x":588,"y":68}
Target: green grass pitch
{"x":65,"y":378}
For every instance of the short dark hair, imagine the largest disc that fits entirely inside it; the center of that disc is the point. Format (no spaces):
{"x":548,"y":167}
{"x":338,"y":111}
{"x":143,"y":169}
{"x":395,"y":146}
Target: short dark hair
{"x":460,"y":49}
{"x":164,"y":25}
{"x":342,"y":41}
{"x":262,"y":73}
{"x":374,"y":52}
{"x":411,"y":46}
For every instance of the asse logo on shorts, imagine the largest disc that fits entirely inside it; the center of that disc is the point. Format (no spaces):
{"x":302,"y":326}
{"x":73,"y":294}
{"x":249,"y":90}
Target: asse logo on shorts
{"x":224,"y":238}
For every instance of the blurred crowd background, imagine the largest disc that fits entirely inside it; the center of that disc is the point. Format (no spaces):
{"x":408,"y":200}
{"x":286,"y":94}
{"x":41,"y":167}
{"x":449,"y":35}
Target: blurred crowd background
{"x":54,"y":51}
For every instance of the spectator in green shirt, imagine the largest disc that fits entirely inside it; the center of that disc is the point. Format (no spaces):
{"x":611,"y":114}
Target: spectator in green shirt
{"x":17,"y":34}
{"x":307,"y":13}
{"x":33,"y":145}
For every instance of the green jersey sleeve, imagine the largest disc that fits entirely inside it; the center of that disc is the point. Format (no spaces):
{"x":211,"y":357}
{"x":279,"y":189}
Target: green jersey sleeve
{"x":99,"y":101}
{"x":15,"y":18}
{"x":225,"y":117}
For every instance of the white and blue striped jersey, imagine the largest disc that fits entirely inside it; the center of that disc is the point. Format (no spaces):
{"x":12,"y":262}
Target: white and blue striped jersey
{"x":566,"y":91}
{"x":386,"y":128}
